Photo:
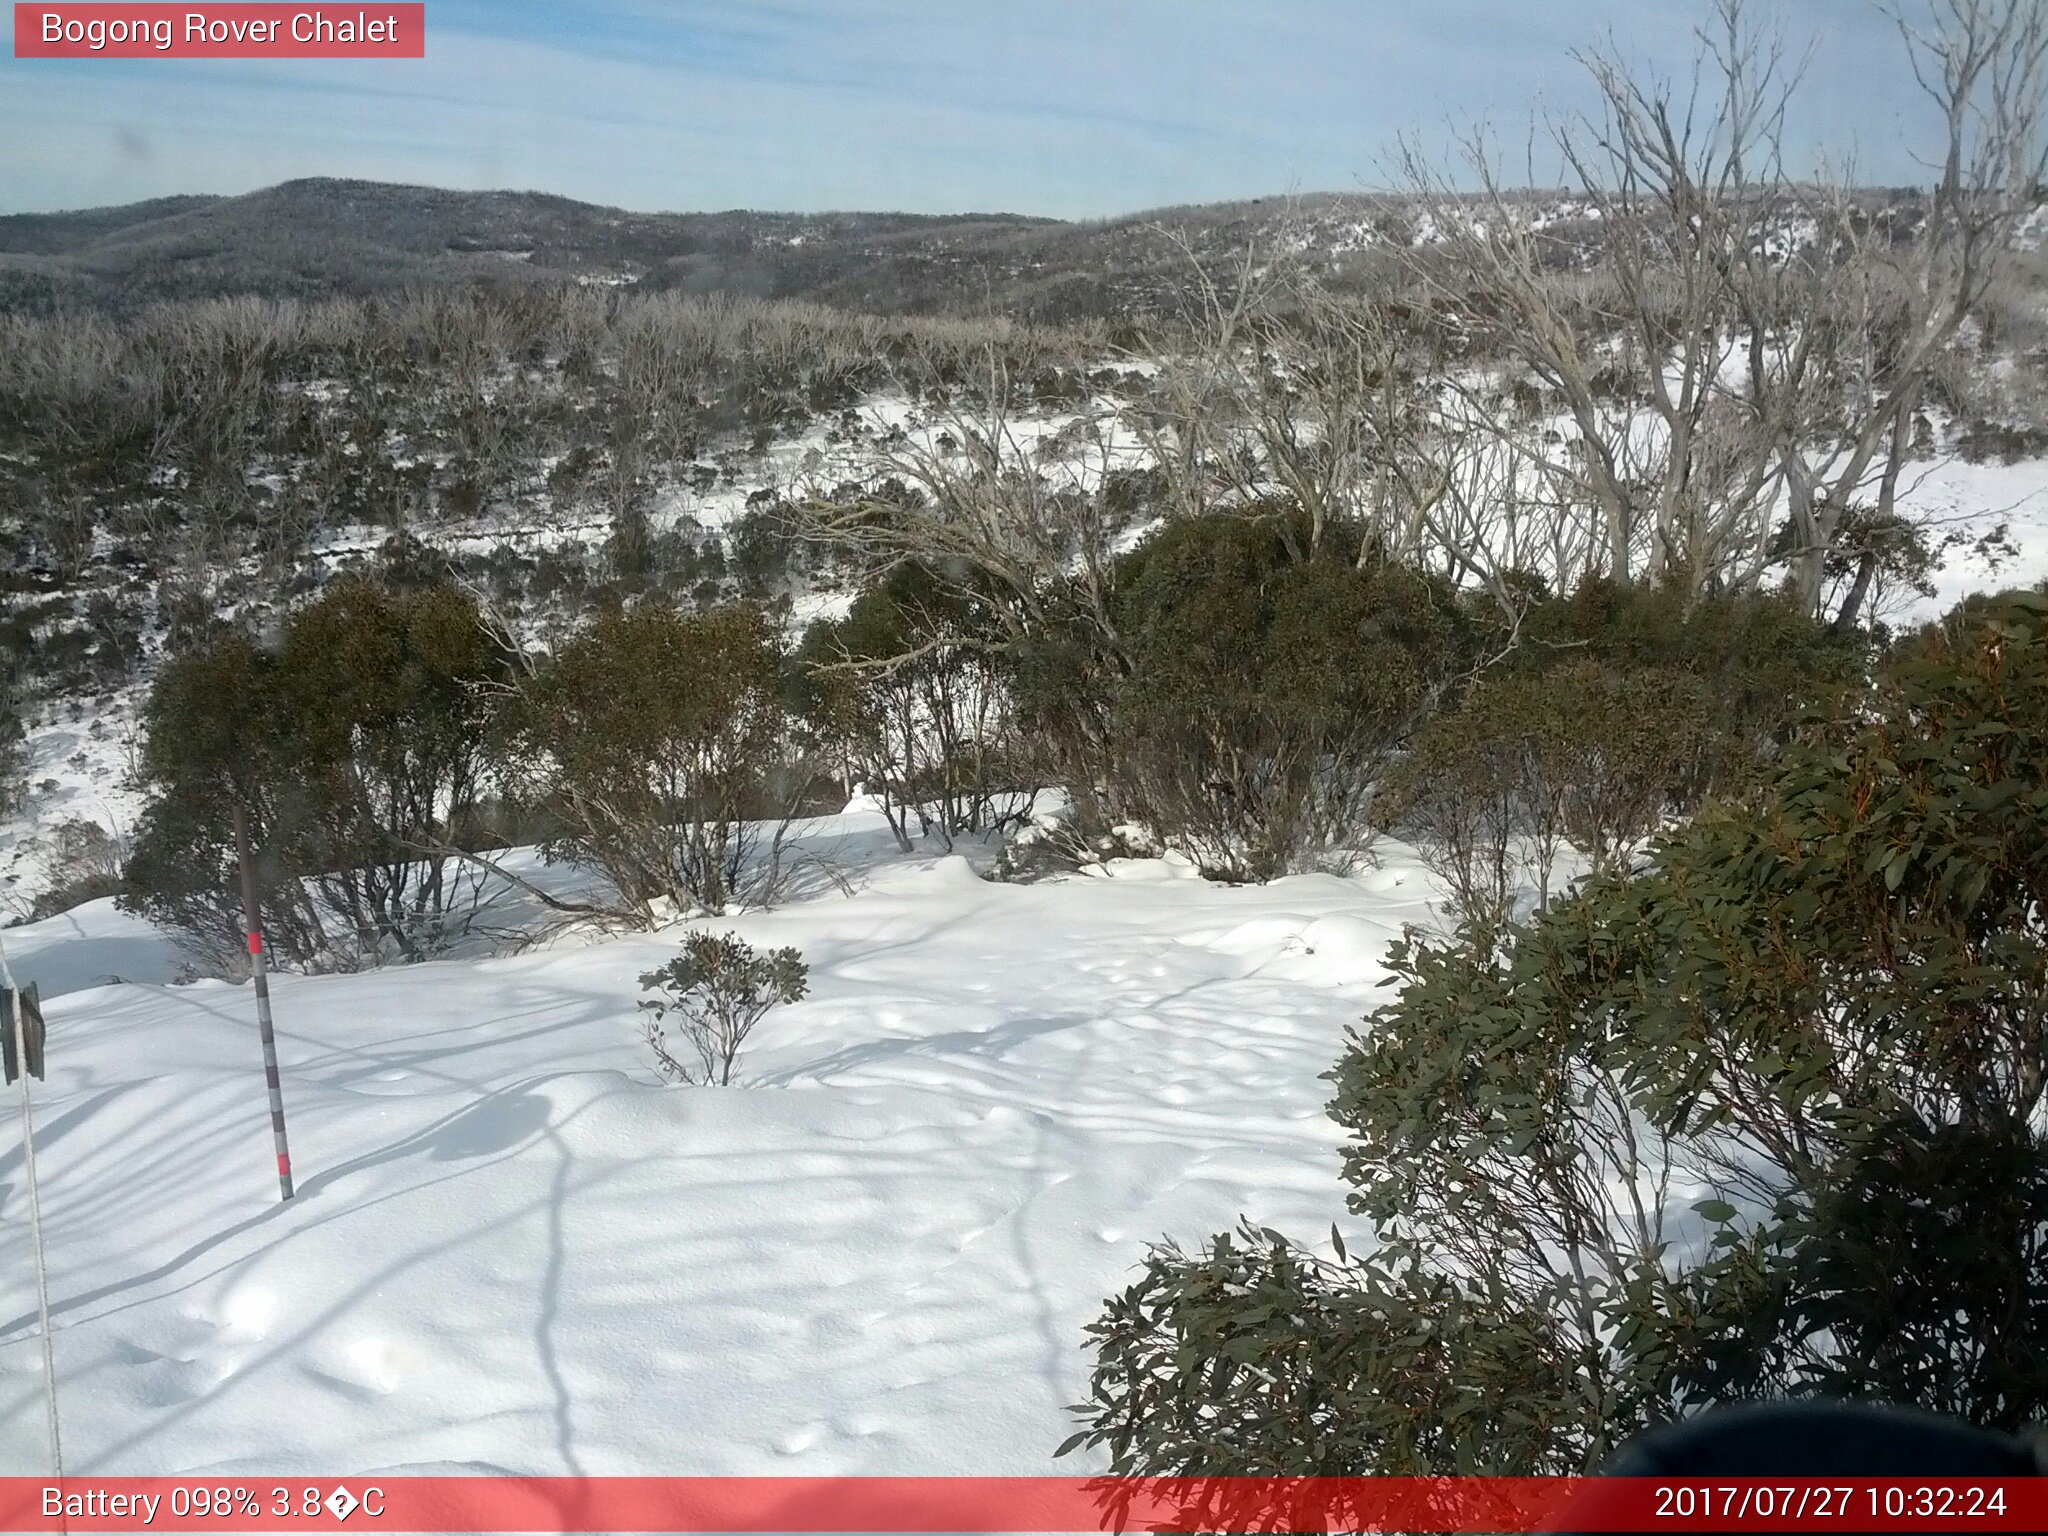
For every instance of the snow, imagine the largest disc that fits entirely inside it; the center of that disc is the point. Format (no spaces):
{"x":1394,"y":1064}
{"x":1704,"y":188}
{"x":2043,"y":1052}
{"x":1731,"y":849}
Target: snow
{"x":808,"y":608}
{"x":90,"y":946}
{"x":513,"y":1248}
{"x":75,"y":769}
{"x":1952,"y":492}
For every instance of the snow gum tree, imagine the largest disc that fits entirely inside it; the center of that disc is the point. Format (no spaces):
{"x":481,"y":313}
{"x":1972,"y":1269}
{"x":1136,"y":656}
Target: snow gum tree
{"x":1730,"y":352}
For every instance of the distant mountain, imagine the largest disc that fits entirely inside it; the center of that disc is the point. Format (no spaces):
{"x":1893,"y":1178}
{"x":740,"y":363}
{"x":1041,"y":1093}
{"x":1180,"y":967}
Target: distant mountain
{"x":55,"y":233}
{"x":321,"y":237}
{"x":325,"y":237}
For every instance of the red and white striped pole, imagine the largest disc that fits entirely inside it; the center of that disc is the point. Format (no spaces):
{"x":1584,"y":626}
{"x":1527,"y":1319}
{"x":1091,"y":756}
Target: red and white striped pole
{"x":259,"y":968}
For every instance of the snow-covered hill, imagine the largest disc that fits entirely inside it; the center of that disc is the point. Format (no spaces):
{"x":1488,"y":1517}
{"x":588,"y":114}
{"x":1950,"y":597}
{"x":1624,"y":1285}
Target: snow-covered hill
{"x":514,"y":1248}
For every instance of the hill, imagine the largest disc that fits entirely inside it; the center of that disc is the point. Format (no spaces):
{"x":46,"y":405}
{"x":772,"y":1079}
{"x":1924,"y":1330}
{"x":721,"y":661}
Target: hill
{"x":323,"y":237}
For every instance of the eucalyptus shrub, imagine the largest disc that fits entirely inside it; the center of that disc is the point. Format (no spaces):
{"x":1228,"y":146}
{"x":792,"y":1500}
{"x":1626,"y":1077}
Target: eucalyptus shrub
{"x":1266,"y":692}
{"x":661,"y":743}
{"x":1763,"y":1116}
{"x":717,"y":989}
{"x":1607,"y":714}
{"x":1581,"y":753}
{"x":355,"y":746}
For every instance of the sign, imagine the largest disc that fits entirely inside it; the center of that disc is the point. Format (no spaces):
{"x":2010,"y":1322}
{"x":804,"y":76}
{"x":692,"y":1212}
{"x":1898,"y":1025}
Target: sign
{"x":75,"y":29}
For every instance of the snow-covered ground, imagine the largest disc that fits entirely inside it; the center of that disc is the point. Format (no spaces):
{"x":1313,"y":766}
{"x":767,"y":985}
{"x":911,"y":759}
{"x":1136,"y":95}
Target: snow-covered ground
{"x":76,"y":769}
{"x":1952,"y":493}
{"x":514,"y":1248}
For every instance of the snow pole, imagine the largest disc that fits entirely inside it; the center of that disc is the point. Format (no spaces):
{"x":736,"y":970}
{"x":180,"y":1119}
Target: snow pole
{"x":17,"y":1023}
{"x":253,"y":925}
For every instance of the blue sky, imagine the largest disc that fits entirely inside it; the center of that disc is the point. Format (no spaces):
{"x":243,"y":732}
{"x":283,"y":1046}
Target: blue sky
{"x":1074,"y":108}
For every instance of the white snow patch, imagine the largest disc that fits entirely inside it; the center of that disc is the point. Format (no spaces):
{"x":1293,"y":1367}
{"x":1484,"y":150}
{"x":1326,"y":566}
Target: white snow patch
{"x":513,"y":1247}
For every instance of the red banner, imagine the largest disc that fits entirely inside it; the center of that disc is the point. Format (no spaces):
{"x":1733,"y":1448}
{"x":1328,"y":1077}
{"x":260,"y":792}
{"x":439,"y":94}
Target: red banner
{"x":261,"y":31}
{"x":1018,"y":1504}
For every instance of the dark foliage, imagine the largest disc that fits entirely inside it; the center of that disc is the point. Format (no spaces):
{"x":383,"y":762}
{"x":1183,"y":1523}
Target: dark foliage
{"x":1617,"y":710}
{"x":662,"y":742}
{"x":356,"y":746}
{"x":1254,"y":695}
{"x":1824,"y":1002}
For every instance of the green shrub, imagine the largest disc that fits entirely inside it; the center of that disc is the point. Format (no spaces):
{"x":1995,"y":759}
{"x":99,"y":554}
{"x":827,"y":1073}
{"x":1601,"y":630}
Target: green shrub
{"x":1760,"y":664}
{"x":1265,"y":693}
{"x":349,"y":744}
{"x":662,"y":743}
{"x":1915,"y":1271}
{"x":1820,"y":1007}
{"x":1580,"y":753}
{"x":1257,"y":1358}
{"x":718,"y":988}
{"x":1614,"y":711}
{"x":212,"y":740}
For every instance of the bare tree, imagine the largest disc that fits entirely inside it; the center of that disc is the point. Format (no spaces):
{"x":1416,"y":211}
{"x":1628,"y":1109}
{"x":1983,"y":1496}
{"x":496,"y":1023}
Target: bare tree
{"x":1619,"y":314}
{"x":1721,"y":341}
{"x":1275,"y":391}
{"x":978,"y":494}
{"x":1901,"y":291}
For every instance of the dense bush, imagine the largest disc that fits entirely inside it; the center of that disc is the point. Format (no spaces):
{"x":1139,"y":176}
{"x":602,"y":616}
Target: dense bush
{"x":1759,"y":663}
{"x":1820,"y":1007}
{"x":391,"y":700}
{"x":662,"y":742}
{"x":1256,"y":696}
{"x":1580,"y":754}
{"x":1614,"y":711}
{"x":355,"y":746}
{"x":212,"y":741}
{"x":1917,"y":1272}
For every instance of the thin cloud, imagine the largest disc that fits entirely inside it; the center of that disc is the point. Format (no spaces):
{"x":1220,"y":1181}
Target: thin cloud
{"x":1067,"y":107}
